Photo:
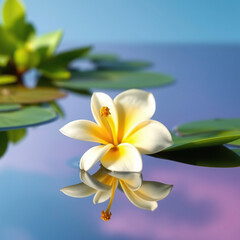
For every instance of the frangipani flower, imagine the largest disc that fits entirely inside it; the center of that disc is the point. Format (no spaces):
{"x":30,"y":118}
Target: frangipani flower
{"x":124,"y":130}
{"x":143,"y":194}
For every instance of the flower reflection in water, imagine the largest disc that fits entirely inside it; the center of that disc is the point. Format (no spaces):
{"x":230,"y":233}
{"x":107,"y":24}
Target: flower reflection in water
{"x":143,"y":194}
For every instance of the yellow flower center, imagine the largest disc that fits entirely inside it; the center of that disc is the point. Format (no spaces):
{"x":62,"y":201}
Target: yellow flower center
{"x":106,"y":215}
{"x":105,"y":111}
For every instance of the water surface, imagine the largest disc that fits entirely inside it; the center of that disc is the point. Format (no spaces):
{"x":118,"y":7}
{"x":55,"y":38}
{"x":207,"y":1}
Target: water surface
{"x":204,"y":203}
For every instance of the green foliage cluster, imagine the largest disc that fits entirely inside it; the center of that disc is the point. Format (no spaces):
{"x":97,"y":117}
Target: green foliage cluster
{"x":21,"y":49}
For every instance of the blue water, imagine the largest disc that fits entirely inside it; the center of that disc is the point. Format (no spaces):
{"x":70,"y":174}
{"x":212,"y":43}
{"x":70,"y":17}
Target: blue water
{"x":204,"y":203}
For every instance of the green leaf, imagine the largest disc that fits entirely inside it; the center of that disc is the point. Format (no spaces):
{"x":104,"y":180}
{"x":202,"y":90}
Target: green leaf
{"x":46,"y":44}
{"x":237,"y":151}
{"x":26,"y":59}
{"x":27,"y":117}
{"x":235,"y":143}
{"x":122,"y":65}
{"x":6,"y":79}
{"x":57,"y":108}
{"x":29,"y":96}
{"x":213,"y":125}
{"x":16,"y":135}
{"x":9,"y":107}
{"x":4,"y":59}
{"x":84,"y":92}
{"x":64,"y":58}
{"x":114,"y":80}
{"x":13,"y":10}
{"x":203,"y":140}
{"x":22,"y":31}
{"x":3,"y":143}
{"x":55,"y":72}
{"x":8,"y":42}
{"x":217,"y":156}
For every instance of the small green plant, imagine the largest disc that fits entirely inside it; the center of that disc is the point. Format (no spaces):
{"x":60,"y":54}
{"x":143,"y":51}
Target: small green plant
{"x":21,"y":49}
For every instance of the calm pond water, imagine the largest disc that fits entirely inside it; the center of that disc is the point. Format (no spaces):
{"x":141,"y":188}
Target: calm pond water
{"x":204,"y":203}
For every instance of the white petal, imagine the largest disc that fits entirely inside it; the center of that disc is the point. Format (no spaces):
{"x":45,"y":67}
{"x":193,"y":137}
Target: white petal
{"x":92,"y":182}
{"x":149,"y":137}
{"x":78,"y":191}
{"x":86,"y":131}
{"x":132,"y":180}
{"x":138,"y":201}
{"x":153,"y":191}
{"x":100,"y":100}
{"x":102,"y":196}
{"x":124,"y":158}
{"x":93,"y":155}
{"x":133,"y":106}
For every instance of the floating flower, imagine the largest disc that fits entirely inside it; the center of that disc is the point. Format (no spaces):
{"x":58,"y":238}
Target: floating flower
{"x":143,"y":194}
{"x":123,"y":128}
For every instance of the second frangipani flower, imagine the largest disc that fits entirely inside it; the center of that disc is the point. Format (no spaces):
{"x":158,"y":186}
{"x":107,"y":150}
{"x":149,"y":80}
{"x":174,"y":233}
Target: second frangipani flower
{"x":123,"y":128}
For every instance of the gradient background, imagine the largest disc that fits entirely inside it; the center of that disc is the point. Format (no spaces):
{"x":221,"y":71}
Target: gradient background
{"x":138,"y":21}
{"x":204,"y":203}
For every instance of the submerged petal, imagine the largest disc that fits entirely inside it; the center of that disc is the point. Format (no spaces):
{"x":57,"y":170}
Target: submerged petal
{"x":86,"y":130}
{"x":138,"y":201}
{"x":133,"y":106}
{"x":154,"y":191}
{"x":123,"y":158}
{"x":149,"y":137}
{"x":93,"y":155}
{"x":78,"y":190}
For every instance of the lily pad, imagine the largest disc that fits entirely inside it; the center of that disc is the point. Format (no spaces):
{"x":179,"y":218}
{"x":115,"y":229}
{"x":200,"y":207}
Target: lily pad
{"x":122,"y":65}
{"x":29,"y":96}
{"x":237,"y":151}
{"x":9,"y":107}
{"x":114,"y":80}
{"x":213,"y":125}
{"x":102,"y":57}
{"x":27,"y":117}
{"x":235,"y":143}
{"x":203,"y":140}
{"x":217,"y":156}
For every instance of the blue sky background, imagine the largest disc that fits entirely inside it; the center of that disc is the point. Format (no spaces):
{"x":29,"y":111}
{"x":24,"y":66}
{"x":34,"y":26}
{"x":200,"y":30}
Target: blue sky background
{"x":139,"y":21}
